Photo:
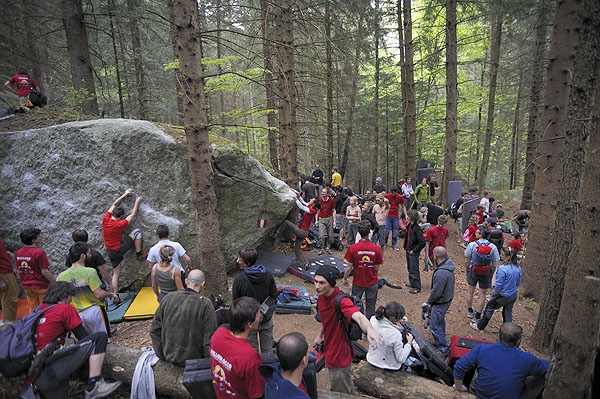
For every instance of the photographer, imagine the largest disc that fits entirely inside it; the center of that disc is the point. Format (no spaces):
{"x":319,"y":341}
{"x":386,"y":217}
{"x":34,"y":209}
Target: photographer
{"x":440,"y":298}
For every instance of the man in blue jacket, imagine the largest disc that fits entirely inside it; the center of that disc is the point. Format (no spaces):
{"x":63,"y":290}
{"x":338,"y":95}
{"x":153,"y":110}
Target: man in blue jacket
{"x":284,"y":379}
{"x":502,"y":368}
{"x":440,"y":298}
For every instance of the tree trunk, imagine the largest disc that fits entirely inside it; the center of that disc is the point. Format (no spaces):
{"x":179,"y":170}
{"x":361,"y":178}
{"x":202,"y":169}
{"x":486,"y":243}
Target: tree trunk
{"x":575,"y":345}
{"x":79,"y":55}
{"x":353,"y":92}
{"x":489,"y":129}
{"x":535,"y":111}
{"x":113,"y":40}
{"x":409,"y":121}
{"x":36,"y":28}
{"x":451,"y":101}
{"x":551,"y":148}
{"x":284,"y":28}
{"x":387,"y":384}
{"x":329,"y":89}
{"x":212,"y":262}
{"x":515,"y":148}
{"x":267,"y":37}
{"x":578,"y":125}
{"x":376,"y":148}
{"x":133,"y":7}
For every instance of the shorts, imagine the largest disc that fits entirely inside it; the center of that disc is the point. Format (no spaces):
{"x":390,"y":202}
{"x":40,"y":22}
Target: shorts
{"x":485,"y":282}
{"x":93,"y":319}
{"x":116,"y":255}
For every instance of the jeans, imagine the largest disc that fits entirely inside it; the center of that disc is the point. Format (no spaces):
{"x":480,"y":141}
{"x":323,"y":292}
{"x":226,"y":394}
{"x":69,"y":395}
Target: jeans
{"x":370,"y":296}
{"x":496,"y":302}
{"x":391,"y":224}
{"x":380,"y":236}
{"x":414,"y":275}
{"x":437,"y":325}
{"x":352,"y":232}
{"x":265,"y":334}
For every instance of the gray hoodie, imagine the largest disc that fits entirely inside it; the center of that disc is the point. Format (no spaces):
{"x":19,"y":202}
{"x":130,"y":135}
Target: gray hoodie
{"x":442,"y":284}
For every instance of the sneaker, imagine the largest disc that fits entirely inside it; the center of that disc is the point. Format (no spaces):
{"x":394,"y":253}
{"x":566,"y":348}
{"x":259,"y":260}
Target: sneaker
{"x":328,"y":251}
{"x":320,"y":252}
{"x":142,"y":255}
{"x":470,"y":313}
{"x":102,"y":389}
{"x":474,"y":326}
{"x":395,"y":248}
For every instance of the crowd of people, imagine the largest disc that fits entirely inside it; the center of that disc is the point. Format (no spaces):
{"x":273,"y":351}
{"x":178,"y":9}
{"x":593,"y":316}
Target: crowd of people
{"x":185,"y":324}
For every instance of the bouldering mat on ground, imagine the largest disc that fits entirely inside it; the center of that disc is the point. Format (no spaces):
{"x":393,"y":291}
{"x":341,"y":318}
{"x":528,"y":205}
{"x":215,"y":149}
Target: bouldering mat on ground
{"x":277,"y":264}
{"x":116,"y":311}
{"x":298,"y":296}
{"x":22,"y":309}
{"x":143,"y":306}
{"x":308,"y":273}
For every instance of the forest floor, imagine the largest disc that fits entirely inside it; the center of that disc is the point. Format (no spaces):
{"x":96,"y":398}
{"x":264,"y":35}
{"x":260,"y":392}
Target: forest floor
{"x":136,"y":334}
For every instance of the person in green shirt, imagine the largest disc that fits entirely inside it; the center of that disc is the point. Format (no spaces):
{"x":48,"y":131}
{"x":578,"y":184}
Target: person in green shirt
{"x":422,"y":194}
{"x":89,"y":297}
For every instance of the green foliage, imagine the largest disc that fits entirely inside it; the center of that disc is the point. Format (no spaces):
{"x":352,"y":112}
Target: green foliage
{"x":76,"y":97}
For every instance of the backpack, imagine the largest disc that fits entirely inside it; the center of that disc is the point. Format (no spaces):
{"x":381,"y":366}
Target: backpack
{"x":18,"y":344}
{"x":352,"y":330}
{"x":482,"y":259}
{"x":37,"y":98}
{"x":495,"y":238}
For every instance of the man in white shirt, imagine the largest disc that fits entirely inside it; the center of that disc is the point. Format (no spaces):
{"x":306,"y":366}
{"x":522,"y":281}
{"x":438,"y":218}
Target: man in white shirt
{"x":162,"y":231}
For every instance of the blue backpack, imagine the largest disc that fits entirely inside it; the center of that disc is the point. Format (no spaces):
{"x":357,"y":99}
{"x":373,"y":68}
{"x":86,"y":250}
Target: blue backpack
{"x":18,"y":344}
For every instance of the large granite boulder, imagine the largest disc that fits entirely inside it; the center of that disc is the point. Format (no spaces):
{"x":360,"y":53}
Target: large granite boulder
{"x":65,"y":177}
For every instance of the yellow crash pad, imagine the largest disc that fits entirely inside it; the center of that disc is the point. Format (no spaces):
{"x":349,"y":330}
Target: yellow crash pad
{"x":143,"y":306}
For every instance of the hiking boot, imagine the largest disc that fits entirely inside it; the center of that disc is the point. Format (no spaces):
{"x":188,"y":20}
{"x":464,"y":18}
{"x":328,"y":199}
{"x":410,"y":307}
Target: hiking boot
{"x":474,"y":326}
{"x":141,"y":255}
{"x":102,"y":389}
{"x":470,"y":313}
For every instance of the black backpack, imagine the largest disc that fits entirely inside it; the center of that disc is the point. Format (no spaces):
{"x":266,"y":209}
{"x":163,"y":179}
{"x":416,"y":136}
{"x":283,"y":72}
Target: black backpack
{"x":352,"y":329}
{"x":18,"y":344}
{"x":495,"y":237}
{"x":37,"y":98}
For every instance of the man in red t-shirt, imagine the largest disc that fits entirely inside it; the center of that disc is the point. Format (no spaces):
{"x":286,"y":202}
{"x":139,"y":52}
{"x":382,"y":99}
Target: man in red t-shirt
{"x":391,"y":223}
{"x":33,"y":265}
{"x":365,"y":259}
{"x":436,"y":237}
{"x":326,"y":217}
{"x":53,"y":377}
{"x":233,"y":361}
{"x":517,"y":245}
{"x":9,"y":289}
{"x":114,"y":224}
{"x":336,"y":347}
{"x":24,"y":83}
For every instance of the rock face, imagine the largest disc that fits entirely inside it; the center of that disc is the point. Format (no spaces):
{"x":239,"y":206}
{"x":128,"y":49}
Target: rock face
{"x":66,"y":177}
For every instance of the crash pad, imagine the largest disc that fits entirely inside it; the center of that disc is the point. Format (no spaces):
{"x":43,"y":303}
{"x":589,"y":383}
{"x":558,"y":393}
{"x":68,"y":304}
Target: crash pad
{"x":302,"y":303}
{"x":116,"y":311}
{"x":143,"y":306}
{"x":307,"y":272}
{"x":277,"y":264}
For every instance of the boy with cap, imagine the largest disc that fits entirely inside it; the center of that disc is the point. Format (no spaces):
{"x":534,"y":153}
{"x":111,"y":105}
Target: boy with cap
{"x":336,"y":348}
